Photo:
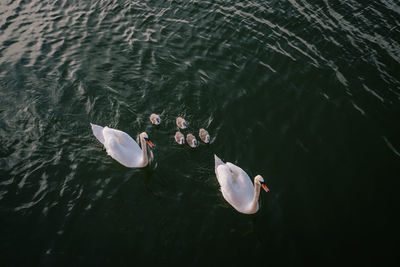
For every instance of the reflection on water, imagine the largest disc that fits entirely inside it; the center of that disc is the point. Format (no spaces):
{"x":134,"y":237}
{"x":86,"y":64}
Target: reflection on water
{"x":306,"y":94}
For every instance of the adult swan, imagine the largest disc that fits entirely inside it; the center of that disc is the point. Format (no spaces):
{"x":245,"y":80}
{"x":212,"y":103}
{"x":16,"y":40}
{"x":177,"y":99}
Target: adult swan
{"x":121,"y":147}
{"x":237,"y":188}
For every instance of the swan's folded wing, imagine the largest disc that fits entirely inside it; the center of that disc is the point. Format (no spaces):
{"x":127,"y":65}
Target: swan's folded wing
{"x":125,"y":155}
{"x":243,"y":178}
{"x":98,"y":132}
{"x":125,"y":139}
{"x":224,"y":177}
{"x":117,"y":152}
{"x":235,"y":169}
{"x":121,"y":147}
{"x":236,"y":193}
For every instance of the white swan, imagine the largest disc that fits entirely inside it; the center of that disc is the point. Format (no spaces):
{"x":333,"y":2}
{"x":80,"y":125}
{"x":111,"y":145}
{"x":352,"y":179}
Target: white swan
{"x":237,"y":188}
{"x":121,"y":147}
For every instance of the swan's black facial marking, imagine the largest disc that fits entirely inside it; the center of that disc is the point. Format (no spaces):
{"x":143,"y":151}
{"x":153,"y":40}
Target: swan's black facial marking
{"x":148,"y":141}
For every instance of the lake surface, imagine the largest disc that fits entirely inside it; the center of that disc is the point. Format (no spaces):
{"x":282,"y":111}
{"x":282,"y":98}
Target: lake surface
{"x":305,"y":93}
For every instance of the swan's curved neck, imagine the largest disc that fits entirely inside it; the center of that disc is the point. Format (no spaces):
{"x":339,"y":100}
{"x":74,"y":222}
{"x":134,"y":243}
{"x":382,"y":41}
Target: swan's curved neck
{"x":253,"y":207}
{"x":145,"y":160}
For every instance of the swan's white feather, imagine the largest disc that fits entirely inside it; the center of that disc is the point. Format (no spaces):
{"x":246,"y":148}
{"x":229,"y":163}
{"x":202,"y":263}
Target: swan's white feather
{"x":98,"y":132}
{"x":119,"y":145}
{"x":236,"y":186}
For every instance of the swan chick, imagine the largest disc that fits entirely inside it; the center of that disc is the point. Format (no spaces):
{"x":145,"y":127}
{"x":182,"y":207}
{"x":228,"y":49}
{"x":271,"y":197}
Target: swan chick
{"x":204,"y":136}
{"x":181,"y":123}
{"x":191,"y":140}
{"x":179,"y":138}
{"x":155,"y":119}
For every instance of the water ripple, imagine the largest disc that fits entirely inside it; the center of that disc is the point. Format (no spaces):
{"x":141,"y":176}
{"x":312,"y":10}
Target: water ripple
{"x":305,"y":81}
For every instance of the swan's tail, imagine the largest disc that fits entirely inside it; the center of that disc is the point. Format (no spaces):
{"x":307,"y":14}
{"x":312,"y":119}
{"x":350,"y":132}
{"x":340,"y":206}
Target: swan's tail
{"x":218,"y":162}
{"x":98,"y":132}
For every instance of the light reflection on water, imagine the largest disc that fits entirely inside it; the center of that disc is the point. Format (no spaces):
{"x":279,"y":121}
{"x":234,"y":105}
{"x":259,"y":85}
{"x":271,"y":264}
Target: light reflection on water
{"x":304,"y":93}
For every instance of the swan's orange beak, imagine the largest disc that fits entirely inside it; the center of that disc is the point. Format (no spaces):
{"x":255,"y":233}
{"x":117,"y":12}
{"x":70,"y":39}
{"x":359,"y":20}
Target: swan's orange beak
{"x":148,"y":141}
{"x":265,"y":187}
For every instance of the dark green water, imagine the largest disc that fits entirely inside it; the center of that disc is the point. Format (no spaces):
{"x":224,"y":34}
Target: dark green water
{"x":305,"y":93}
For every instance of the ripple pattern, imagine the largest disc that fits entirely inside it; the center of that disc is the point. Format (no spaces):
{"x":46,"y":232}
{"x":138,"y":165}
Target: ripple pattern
{"x":314,"y":85}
